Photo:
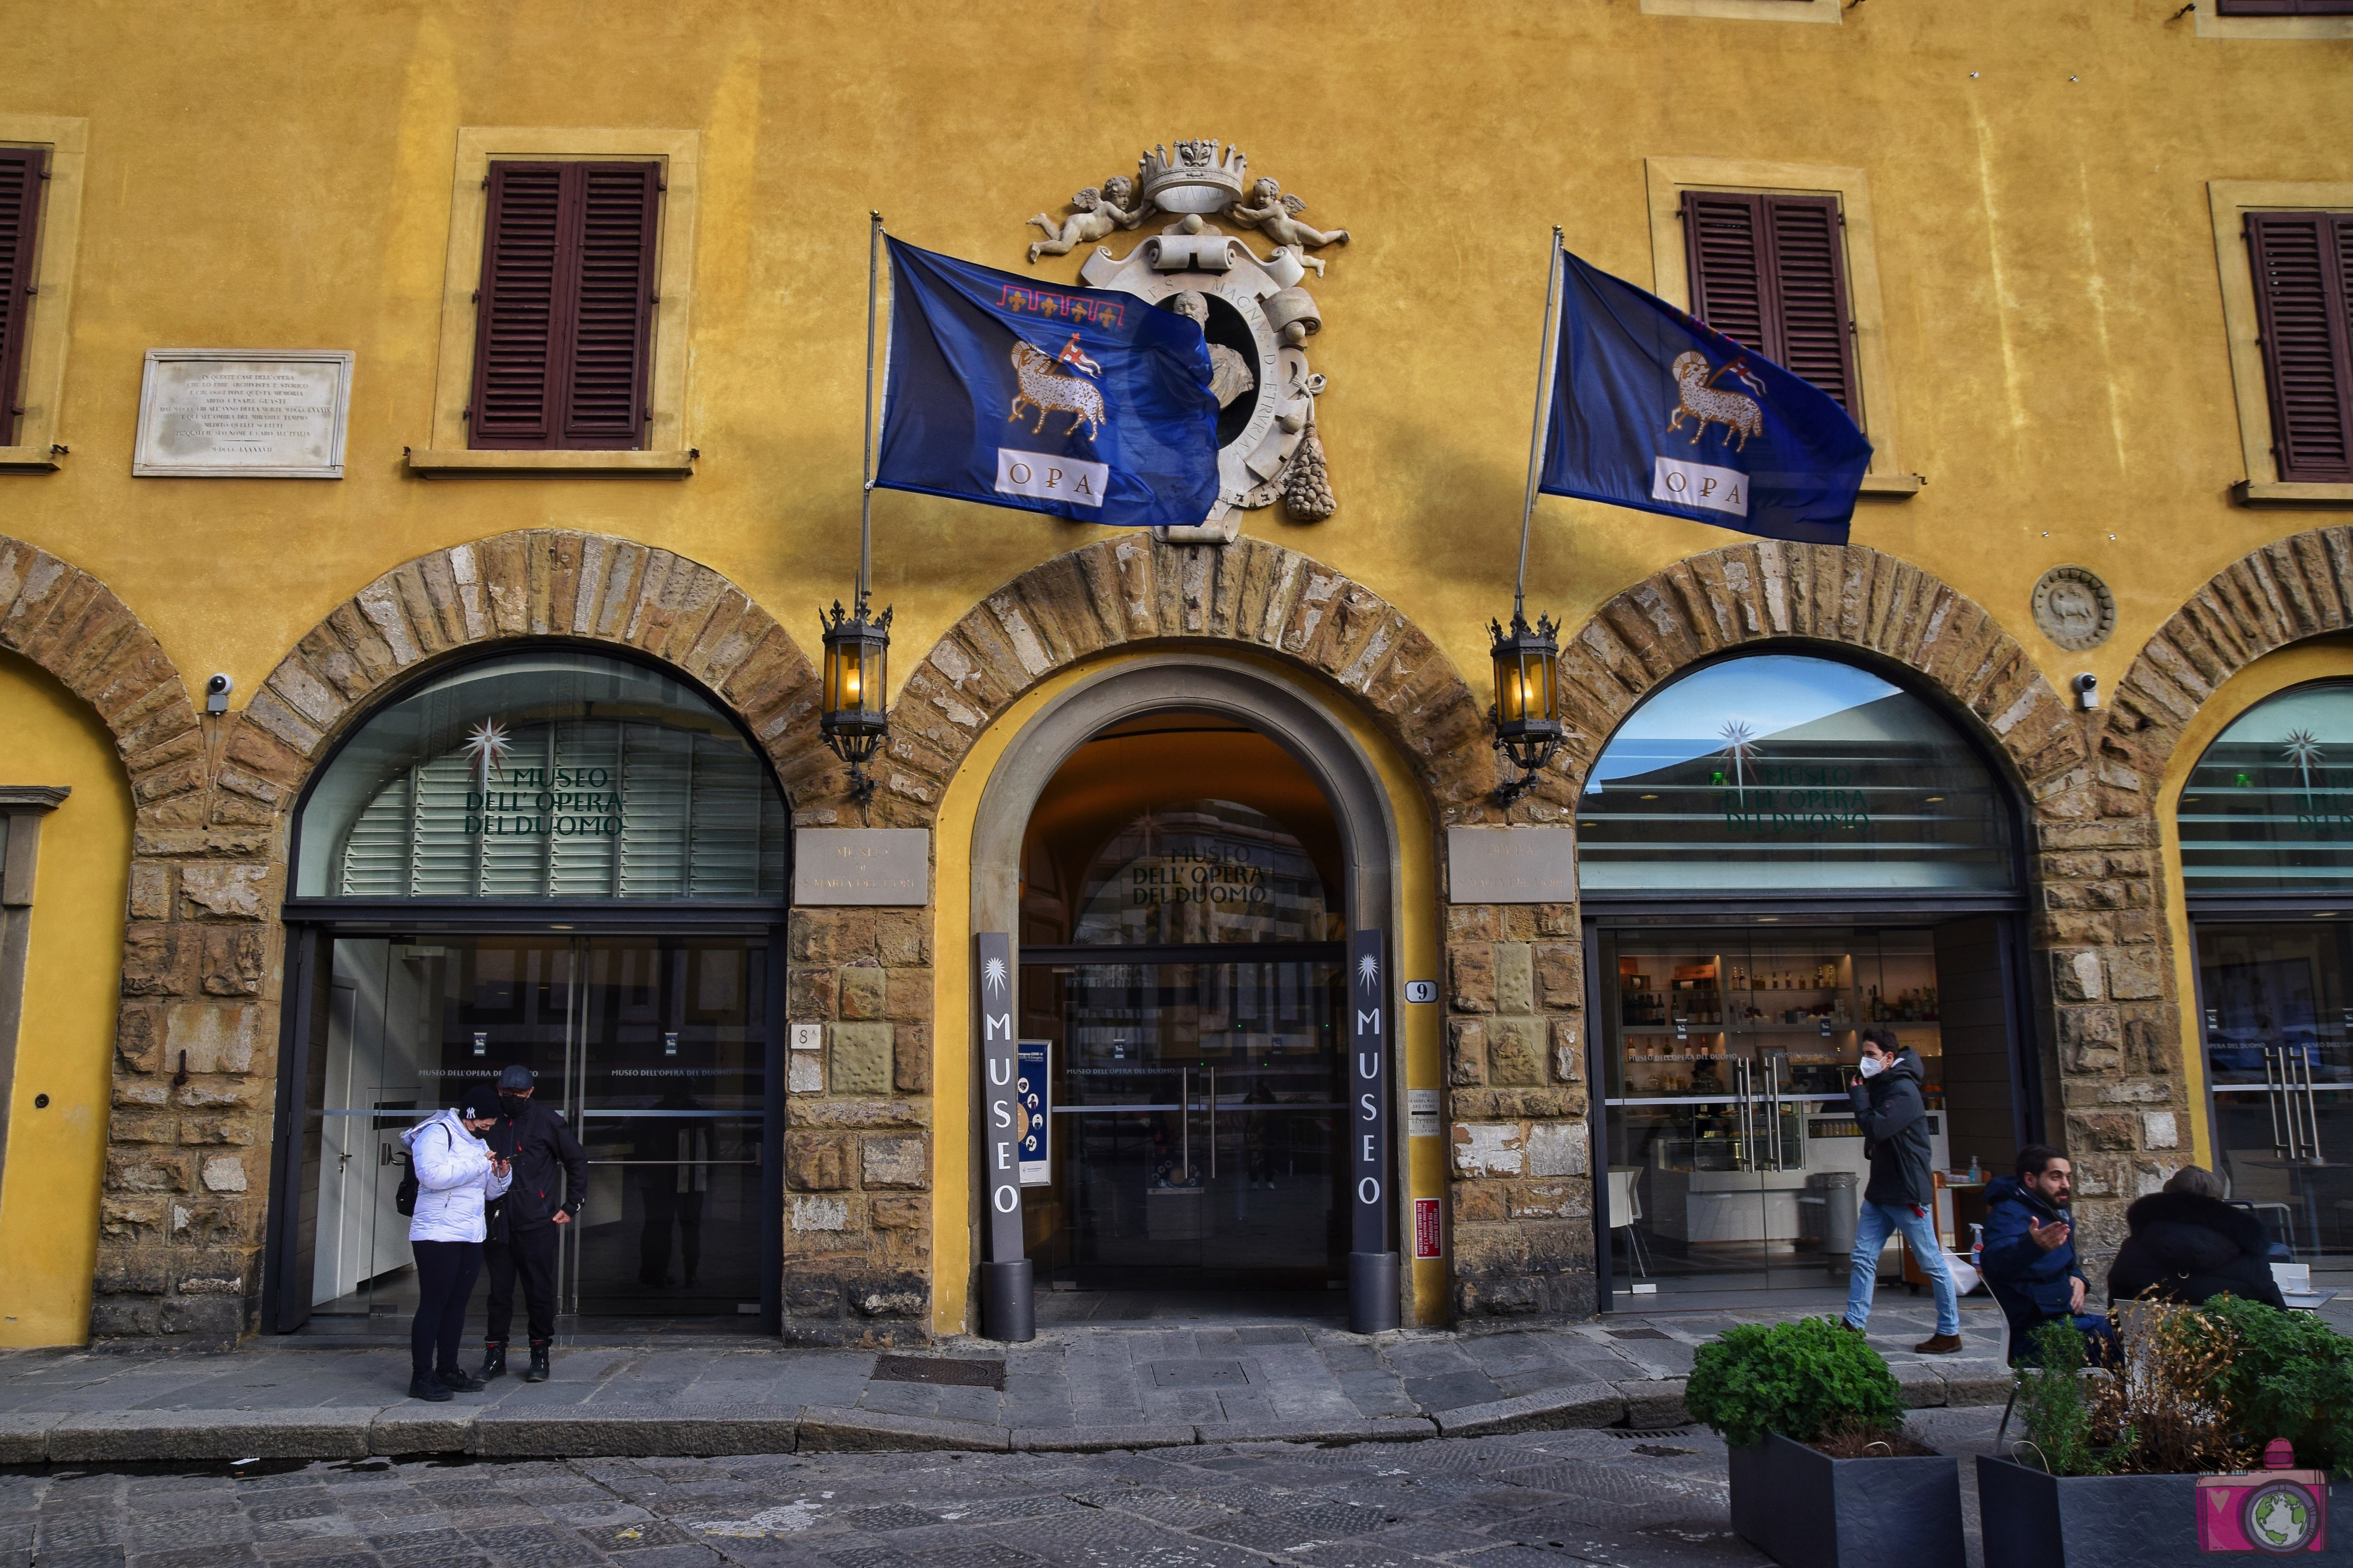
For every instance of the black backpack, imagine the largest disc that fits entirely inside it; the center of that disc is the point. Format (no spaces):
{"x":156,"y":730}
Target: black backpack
{"x":404,"y":1197}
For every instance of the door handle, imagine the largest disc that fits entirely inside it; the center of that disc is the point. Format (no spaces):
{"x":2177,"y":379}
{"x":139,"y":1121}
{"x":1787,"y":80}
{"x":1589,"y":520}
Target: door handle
{"x":1213,"y":1124}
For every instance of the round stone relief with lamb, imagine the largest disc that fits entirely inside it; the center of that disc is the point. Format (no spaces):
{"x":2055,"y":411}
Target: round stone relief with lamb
{"x":1251,"y":309}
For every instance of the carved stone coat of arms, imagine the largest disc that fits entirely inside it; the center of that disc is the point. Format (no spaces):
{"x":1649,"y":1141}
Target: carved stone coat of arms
{"x":1252,"y":309}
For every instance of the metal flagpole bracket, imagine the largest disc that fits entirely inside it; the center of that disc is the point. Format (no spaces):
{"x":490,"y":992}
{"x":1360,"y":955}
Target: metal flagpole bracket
{"x":851,"y":716}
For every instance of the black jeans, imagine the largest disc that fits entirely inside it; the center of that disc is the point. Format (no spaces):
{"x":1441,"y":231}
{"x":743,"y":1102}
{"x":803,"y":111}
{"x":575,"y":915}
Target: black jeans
{"x":529,"y":1252}
{"x":446,"y":1271}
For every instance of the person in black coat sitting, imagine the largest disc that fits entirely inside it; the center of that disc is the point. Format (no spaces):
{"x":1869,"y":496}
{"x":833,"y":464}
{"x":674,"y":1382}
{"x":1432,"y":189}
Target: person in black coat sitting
{"x":2187,"y":1245}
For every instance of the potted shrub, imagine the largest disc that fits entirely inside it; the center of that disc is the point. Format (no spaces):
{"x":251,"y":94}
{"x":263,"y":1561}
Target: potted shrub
{"x":1823,"y":1474}
{"x":2107,"y":1471}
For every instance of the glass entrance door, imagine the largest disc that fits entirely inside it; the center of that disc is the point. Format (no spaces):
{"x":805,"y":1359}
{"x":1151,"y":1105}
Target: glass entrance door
{"x":2278,"y":1028}
{"x":1197,"y":1114}
{"x":654,"y":1048}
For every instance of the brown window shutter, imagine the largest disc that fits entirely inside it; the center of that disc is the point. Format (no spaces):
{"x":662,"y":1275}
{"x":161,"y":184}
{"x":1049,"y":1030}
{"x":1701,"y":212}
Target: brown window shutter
{"x":604,"y":392}
{"x":517,"y":317}
{"x":1724,"y":249}
{"x":563,"y":326}
{"x":20,"y":208}
{"x":1769,"y":273}
{"x":2284,"y":8}
{"x":1806,"y":273}
{"x":2303,"y":265}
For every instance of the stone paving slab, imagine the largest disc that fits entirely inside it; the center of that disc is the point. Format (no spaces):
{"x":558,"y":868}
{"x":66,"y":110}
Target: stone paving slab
{"x":1079,"y":1388}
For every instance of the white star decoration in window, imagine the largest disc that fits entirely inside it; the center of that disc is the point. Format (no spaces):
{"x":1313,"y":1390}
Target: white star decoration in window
{"x":487,"y":746}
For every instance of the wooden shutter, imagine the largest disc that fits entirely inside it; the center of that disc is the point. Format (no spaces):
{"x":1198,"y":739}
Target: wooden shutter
{"x":564,"y":319}
{"x":2303,"y":265}
{"x":21,"y":172}
{"x":2284,"y":8}
{"x":1769,"y":272}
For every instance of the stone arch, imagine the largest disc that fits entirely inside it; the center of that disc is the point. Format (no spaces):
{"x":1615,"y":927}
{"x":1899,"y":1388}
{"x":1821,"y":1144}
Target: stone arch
{"x":184,"y":1223}
{"x":589,"y":587}
{"x":1133,"y":589}
{"x":1851,"y":596}
{"x":185,"y":956}
{"x":2292,"y":588}
{"x":2102,"y":973}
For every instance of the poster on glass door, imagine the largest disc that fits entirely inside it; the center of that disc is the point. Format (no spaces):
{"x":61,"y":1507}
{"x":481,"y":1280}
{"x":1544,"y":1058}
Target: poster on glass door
{"x":1034,"y":1090}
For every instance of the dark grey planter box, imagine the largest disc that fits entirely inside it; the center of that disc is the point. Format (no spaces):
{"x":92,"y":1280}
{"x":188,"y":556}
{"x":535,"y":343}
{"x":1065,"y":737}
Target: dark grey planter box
{"x":2037,"y":1521}
{"x":1806,"y":1510}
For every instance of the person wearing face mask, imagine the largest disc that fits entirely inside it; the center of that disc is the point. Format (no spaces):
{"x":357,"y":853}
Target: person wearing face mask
{"x":1900,"y":1195}
{"x":551,"y":1182}
{"x":456,"y":1174}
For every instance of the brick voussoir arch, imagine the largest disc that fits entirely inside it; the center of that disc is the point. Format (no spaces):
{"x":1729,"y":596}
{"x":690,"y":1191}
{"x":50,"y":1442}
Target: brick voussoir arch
{"x":75,"y":627}
{"x":1132,"y":589}
{"x":532,"y":583}
{"x":2290,"y":589}
{"x":1847,"y":596}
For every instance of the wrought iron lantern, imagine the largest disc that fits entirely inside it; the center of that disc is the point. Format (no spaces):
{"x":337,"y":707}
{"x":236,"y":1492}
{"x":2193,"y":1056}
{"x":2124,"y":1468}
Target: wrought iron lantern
{"x":856,"y":683}
{"x":1526,"y":713}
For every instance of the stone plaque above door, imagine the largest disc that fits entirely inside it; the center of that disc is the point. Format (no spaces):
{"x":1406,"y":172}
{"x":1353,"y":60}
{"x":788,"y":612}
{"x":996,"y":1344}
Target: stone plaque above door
{"x":1511,"y":866}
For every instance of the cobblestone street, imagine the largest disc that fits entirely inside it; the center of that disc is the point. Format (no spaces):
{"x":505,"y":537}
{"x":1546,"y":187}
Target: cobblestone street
{"x":1632,"y":1499}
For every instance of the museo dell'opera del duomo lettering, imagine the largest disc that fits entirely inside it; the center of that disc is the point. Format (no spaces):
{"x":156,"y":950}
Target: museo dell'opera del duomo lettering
{"x":1201,"y":705}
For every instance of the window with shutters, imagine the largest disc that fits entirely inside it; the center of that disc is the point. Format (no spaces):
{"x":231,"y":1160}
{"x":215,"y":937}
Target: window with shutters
{"x":2303,"y":269}
{"x":561,"y":345}
{"x":564,"y":316}
{"x":22,"y":172}
{"x":2284,"y":8}
{"x":41,"y":161}
{"x":2284,"y":253}
{"x":560,"y":775}
{"x":1779,"y":257}
{"x":1769,"y":272}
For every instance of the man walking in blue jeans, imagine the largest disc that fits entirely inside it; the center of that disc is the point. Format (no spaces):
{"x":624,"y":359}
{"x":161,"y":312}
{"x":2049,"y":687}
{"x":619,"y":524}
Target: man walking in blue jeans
{"x":1900,"y":1196}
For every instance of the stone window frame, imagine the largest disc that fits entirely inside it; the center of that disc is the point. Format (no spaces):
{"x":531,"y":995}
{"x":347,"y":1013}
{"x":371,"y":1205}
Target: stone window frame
{"x":668,"y":448}
{"x":2230,"y":201}
{"x":22,"y":809}
{"x":2210,"y":23}
{"x":59,"y":235}
{"x":1824,"y":11}
{"x":1666,"y":179}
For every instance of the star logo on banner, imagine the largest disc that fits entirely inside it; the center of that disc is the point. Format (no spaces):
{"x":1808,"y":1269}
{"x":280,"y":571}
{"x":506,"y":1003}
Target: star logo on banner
{"x":1369,"y":972}
{"x":992,"y":976}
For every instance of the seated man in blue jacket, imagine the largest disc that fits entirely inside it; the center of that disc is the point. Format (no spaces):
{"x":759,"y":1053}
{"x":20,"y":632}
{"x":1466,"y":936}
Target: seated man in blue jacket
{"x":2028,"y":1255}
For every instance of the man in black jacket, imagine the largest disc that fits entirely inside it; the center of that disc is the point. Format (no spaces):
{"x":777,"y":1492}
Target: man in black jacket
{"x":1900,"y":1195}
{"x":539,"y":1146}
{"x":2187,"y":1245}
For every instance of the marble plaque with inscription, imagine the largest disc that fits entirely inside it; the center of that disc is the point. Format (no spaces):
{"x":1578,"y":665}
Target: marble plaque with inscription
{"x":1511,"y":865}
{"x":862,"y":865}
{"x":243,"y":414}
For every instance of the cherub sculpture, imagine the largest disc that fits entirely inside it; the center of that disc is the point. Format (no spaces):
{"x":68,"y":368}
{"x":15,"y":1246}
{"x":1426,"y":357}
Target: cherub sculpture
{"x":1276,"y":215}
{"x":1100,"y":210}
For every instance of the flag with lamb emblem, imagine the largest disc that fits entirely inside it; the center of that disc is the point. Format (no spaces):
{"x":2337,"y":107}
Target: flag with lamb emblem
{"x":1654,"y":410}
{"x":1084,"y":403}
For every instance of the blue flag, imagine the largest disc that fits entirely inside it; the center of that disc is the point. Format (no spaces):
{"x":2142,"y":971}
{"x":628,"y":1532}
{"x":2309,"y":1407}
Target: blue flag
{"x":1654,"y":410}
{"x":1089,"y":404}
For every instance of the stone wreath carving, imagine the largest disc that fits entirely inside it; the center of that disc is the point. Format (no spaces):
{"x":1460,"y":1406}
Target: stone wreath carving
{"x":1251,"y":309}
{"x":2073,"y":608}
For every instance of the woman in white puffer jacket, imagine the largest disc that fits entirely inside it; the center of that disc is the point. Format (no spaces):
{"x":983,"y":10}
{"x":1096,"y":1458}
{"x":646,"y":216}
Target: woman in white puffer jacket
{"x":455,"y":1174}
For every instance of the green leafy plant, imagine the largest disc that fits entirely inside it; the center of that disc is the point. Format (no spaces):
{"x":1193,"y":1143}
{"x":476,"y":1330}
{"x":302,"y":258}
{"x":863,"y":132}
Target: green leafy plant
{"x":2288,"y":1376}
{"x":2151,"y":1402}
{"x":2052,"y":1408}
{"x":1803,"y":1380}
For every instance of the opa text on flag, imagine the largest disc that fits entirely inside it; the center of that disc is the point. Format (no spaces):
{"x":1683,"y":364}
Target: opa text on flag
{"x":1052,"y":478}
{"x":1697,"y":484}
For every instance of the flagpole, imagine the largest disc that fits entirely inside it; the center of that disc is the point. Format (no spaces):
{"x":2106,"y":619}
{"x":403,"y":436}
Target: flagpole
{"x":866,"y":475}
{"x":1544,"y":376}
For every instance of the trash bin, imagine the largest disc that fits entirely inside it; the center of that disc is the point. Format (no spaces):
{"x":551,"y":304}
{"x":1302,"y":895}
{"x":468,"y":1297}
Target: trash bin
{"x":1837,"y":1191}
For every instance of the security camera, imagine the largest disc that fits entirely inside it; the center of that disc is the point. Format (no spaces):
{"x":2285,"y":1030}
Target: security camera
{"x":2087,"y":690}
{"x":217,"y":691}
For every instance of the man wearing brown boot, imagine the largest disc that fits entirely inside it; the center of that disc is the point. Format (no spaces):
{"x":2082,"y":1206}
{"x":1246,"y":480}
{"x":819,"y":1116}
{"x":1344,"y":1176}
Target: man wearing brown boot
{"x":1900,"y":1195}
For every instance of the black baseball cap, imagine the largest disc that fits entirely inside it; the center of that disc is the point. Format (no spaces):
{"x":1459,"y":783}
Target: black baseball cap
{"x":479,"y":1102}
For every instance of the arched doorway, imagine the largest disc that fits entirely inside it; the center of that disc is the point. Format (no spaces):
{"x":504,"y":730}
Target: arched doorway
{"x":1183,"y":952}
{"x":1192,"y":861}
{"x":2265,"y":820}
{"x":570,"y":860}
{"x":1777,"y":850}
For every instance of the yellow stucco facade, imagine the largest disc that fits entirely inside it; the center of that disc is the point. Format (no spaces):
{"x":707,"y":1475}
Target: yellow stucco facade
{"x":2043,"y":348}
